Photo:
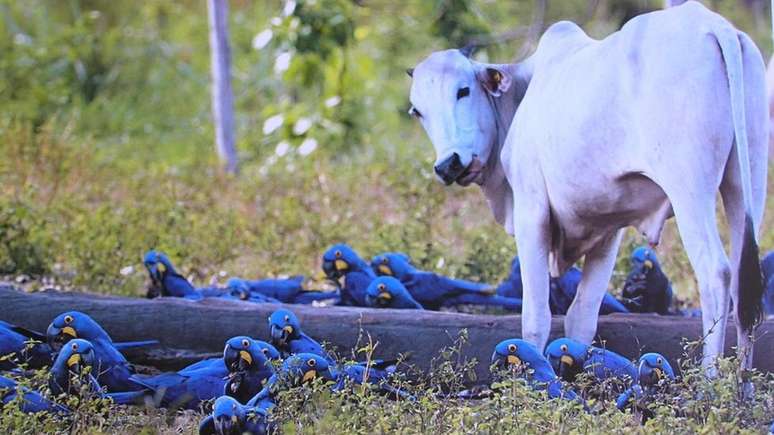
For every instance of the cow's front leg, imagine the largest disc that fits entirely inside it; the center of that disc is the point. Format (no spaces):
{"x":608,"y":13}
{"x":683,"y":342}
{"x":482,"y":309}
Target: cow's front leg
{"x":581,"y":321}
{"x":533,"y":240}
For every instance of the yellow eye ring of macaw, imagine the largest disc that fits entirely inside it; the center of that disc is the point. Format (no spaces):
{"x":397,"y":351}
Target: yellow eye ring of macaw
{"x":69,"y":330}
{"x":246,"y":357}
{"x":74,"y":359}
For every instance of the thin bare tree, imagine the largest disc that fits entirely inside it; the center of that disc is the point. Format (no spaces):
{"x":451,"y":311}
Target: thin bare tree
{"x":222,"y":95}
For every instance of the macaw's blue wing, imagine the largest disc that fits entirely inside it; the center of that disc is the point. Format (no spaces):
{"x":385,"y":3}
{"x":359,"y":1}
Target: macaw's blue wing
{"x":358,"y":374}
{"x":353,"y":292}
{"x":511,"y":304}
{"x":113,"y":371}
{"x":182,"y":391}
{"x":632,"y":394}
{"x":30,"y":401}
{"x":307,"y":344}
{"x":604,"y":364}
{"x":611,"y":305}
{"x":19,"y":345}
{"x":175,"y":285}
{"x":126,"y":345}
{"x":209,"y":367}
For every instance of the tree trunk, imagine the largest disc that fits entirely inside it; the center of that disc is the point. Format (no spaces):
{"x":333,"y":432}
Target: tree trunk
{"x":222,"y":96}
{"x":188,"y":330}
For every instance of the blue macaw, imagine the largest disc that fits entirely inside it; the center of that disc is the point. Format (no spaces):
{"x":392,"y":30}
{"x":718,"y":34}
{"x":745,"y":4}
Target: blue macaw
{"x":269,"y":351}
{"x":187,"y":388}
{"x":69,"y":373}
{"x":286,"y":291}
{"x":295,"y":370}
{"x":569,"y":358}
{"x":342,"y":261}
{"x":767,"y":268}
{"x":23,"y":346}
{"x":113,"y":370}
{"x":434,"y":291}
{"x":654,"y":374}
{"x":287,"y":336}
{"x":522,"y":356}
{"x":360,"y":373}
{"x":562,"y":290}
{"x":30,"y":401}
{"x":388,"y":292}
{"x":647,"y":288}
{"x":229,"y":417}
{"x":165,"y":281}
{"x":248,"y":368}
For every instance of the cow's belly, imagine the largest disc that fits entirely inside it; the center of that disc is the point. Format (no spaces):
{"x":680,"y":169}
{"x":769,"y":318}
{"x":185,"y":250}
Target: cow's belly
{"x":581,"y":218}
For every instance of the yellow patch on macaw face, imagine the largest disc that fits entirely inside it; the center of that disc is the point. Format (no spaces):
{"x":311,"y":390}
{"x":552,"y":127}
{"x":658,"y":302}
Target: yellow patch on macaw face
{"x":310,"y":375}
{"x":567,"y":359}
{"x":235,"y":419}
{"x":385,"y":295}
{"x":648,"y":264}
{"x":69,"y":330}
{"x":341,"y":265}
{"x":658,"y":373}
{"x":161,"y":268}
{"x":73,"y":360}
{"x":288,"y":329}
{"x":385,"y":269}
{"x":513,"y":359}
{"x":245,"y":355}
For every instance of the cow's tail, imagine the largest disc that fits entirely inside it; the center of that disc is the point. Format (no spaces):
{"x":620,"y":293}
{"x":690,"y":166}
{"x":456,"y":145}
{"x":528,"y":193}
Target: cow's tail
{"x":749,"y":303}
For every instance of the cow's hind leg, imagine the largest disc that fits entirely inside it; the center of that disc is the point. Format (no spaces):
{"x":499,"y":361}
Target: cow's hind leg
{"x":581,"y":321}
{"x":696,"y":221}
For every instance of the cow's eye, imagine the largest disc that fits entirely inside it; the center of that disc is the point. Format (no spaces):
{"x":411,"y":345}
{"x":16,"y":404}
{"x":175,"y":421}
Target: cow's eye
{"x":414,"y":112}
{"x":463,"y":92}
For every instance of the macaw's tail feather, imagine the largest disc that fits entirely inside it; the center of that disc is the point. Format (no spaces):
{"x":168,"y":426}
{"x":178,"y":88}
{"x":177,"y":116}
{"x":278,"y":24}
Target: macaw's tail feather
{"x":124,"y":345}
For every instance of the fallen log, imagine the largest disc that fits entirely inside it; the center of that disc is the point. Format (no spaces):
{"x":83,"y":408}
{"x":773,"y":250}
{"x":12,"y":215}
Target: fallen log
{"x":189,"y":330}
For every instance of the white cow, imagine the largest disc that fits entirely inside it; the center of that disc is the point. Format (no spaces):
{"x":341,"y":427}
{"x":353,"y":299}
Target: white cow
{"x":587,"y":137}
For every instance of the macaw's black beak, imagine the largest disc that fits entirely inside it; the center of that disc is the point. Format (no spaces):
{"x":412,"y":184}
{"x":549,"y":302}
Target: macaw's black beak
{"x":57,"y":337}
{"x":231,"y":358}
{"x":567,"y":369}
{"x":330,"y":270}
{"x":280,"y":336}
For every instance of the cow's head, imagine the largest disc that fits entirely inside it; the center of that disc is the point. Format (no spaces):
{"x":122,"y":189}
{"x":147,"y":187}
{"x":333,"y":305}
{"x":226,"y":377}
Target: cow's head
{"x":452,"y":96}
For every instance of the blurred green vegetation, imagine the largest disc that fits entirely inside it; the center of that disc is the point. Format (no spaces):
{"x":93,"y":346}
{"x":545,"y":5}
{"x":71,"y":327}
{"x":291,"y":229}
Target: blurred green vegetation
{"x":106,"y":143}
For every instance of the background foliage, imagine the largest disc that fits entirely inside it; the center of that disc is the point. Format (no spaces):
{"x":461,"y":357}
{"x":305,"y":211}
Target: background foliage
{"x":106,"y":140}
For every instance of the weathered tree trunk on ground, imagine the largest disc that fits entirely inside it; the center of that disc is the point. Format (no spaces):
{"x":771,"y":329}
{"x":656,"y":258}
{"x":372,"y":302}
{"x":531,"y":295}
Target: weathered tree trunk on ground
{"x":222,"y":95}
{"x":203,"y":327}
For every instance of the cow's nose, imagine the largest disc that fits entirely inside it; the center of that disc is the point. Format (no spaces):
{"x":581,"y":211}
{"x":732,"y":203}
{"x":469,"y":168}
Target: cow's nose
{"x":450,"y":169}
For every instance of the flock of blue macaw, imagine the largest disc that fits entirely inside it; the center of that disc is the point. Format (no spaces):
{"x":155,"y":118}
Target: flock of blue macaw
{"x":390,"y":280}
{"x":244,"y":383}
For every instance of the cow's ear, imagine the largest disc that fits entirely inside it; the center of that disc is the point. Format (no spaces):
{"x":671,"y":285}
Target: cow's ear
{"x":495,"y":80}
